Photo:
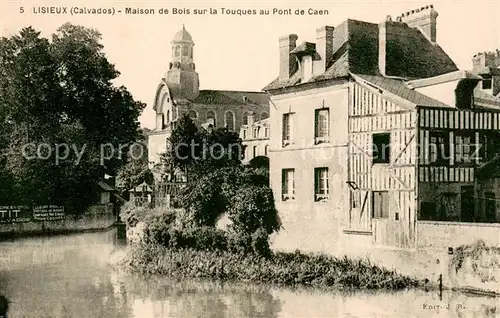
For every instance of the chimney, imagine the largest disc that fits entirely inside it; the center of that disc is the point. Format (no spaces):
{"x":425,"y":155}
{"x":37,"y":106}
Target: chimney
{"x":250,"y":119}
{"x":424,"y":19}
{"x":324,"y":45}
{"x":382,"y":40}
{"x":288,"y":64}
{"x":482,"y":60}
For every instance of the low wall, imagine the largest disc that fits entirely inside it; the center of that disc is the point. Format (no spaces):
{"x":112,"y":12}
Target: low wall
{"x":436,"y":234}
{"x":97,"y":217}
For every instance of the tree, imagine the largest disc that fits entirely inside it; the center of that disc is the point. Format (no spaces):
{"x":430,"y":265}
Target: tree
{"x":198,"y":151}
{"x":136,"y":170}
{"x":59,"y":93}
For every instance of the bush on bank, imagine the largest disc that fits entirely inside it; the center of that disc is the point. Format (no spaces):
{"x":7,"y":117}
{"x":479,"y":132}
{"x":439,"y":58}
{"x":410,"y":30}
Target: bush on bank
{"x":162,"y":230}
{"x":291,"y":269}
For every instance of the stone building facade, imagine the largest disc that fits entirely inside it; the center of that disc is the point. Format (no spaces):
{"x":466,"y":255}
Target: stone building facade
{"x":255,"y":136}
{"x":179,"y":93}
{"x":372,"y":137}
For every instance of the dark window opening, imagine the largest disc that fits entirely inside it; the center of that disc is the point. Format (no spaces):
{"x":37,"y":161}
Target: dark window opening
{"x":381,"y":152}
{"x":487,"y":83}
{"x":465,"y":148}
{"x":490,"y":145}
{"x":490,"y":207}
{"x":467,"y":204}
{"x":428,"y":211}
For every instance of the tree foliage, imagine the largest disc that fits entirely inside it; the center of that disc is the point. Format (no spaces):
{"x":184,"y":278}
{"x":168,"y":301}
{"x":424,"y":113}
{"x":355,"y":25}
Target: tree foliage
{"x":136,"y":170}
{"x":60,"y":92}
{"x":198,"y":151}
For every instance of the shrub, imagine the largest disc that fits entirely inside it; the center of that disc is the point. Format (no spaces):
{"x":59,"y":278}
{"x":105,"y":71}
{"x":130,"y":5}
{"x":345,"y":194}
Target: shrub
{"x":239,"y":243}
{"x":252,"y":208}
{"x":131,"y":214}
{"x":158,"y":227}
{"x":260,"y":243}
{"x":204,"y":238}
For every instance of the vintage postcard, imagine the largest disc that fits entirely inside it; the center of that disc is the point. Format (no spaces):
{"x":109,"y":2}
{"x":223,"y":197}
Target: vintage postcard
{"x":249,"y":159}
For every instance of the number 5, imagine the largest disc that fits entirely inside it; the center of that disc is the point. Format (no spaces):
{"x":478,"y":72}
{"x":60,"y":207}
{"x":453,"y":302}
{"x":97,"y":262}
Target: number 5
{"x":21,"y":9}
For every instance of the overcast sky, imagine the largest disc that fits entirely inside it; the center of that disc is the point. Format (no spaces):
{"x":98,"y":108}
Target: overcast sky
{"x":241,"y":52}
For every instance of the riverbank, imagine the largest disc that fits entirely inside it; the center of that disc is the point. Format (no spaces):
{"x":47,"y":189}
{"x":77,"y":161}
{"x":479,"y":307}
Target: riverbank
{"x":86,"y":223}
{"x":286,"y":269}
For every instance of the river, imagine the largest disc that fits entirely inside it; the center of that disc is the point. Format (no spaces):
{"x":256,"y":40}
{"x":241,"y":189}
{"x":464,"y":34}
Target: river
{"x":69,"y":276}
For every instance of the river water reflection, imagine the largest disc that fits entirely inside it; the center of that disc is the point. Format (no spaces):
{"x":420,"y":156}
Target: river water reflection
{"x":69,"y":276}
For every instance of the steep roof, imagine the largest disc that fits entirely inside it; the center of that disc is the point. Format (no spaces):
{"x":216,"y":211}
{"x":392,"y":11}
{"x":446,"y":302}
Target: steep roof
{"x":448,"y":77}
{"x":182,"y":35}
{"x":400,"y":89}
{"x":106,"y":187}
{"x":485,"y":100}
{"x":409,"y":54}
{"x":231,"y":97}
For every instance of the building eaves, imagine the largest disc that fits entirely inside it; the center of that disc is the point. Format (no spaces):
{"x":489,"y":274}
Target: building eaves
{"x":400,"y":89}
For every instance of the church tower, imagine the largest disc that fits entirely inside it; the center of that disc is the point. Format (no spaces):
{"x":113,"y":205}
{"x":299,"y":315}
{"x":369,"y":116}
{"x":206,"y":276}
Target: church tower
{"x":181,"y":76}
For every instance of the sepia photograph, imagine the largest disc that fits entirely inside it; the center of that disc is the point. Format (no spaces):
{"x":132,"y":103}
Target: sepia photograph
{"x":249,"y":158}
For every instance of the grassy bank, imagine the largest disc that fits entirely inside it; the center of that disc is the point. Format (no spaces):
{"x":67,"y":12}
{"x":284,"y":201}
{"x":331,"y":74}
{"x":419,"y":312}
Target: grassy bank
{"x":290,"y":269}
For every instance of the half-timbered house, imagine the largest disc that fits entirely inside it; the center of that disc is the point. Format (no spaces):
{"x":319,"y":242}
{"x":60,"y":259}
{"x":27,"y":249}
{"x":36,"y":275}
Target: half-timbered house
{"x":383,"y":140}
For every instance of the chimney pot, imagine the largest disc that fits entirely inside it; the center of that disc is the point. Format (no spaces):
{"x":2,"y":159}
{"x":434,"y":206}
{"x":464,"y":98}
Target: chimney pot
{"x":288,"y":64}
{"x":426,"y":22}
{"x":250,"y":119}
{"x":324,"y":46}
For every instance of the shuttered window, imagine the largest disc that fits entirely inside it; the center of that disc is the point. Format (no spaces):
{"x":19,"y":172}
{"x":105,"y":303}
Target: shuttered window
{"x":287,"y":129}
{"x":322,"y":118}
{"x":287,"y":184}
{"x":321,"y":185}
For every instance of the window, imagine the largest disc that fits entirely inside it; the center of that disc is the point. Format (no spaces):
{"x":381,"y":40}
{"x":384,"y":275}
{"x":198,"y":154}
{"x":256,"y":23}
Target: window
{"x":307,"y":68}
{"x":263,"y":116}
{"x":486,"y":83}
{"x":244,"y":133}
{"x":490,"y":145}
{"x":192,"y":114}
{"x":266,"y":132}
{"x":381,"y":148}
{"x":229,"y":120}
{"x":255,"y":133}
{"x":211,"y":115}
{"x":428,"y":211}
{"x":287,"y":184}
{"x":177,"y":50}
{"x":168,"y":116}
{"x":321,"y":120}
{"x":245,"y":118}
{"x":439,"y":147}
{"x":254,"y":152}
{"x":465,"y":148}
{"x":321,"y":187}
{"x":185,"y":51}
{"x":191,"y":53}
{"x":287,"y":129}
{"x":490,"y":207}
{"x":380,"y":201}
{"x":265,"y":150}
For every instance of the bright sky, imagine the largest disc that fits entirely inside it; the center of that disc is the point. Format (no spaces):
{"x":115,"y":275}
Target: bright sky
{"x":241,"y":52}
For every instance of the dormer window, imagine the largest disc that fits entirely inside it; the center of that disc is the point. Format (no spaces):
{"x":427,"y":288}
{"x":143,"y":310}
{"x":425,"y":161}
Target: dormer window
{"x":307,"y":68}
{"x":486,"y":83}
{"x":304,"y":53}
